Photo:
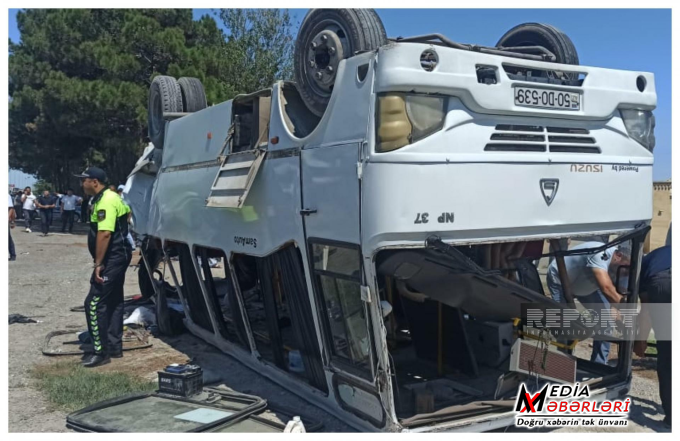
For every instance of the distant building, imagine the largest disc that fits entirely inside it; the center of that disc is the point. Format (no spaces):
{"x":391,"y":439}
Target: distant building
{"x":661,"y":217}
{"x":19,"y":179}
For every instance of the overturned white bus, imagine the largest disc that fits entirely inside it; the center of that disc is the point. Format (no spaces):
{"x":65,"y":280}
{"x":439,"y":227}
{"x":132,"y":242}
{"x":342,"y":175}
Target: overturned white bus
{"x":379,"y":222}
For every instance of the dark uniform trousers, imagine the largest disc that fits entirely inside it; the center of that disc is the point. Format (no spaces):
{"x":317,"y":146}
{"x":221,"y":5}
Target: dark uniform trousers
{"x":104,"y":305}
{"x":659,"y":291}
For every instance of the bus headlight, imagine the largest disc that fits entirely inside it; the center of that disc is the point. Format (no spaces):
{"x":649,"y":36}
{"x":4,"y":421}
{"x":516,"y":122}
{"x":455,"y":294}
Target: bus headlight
{"x":640,"y":126}
{"x":403,"y":119}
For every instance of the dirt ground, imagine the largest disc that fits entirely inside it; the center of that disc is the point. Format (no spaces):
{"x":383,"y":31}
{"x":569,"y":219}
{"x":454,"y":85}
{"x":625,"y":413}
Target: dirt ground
{"x":51,"y":275}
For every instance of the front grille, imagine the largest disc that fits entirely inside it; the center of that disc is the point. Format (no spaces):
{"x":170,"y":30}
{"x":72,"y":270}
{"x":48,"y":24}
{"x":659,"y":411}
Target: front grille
{"x":499,"y":147}
{"x":573,"y":149}
{"x":571,"y":130}
{"x":528,"y":138}
{"x":517,"y":137}
{"x":518,"y":128}
{"x":571,"y":139}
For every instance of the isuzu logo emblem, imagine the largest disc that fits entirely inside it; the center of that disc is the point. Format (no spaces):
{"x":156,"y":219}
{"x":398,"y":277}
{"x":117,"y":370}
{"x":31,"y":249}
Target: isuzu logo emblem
{"x":549,"y":189}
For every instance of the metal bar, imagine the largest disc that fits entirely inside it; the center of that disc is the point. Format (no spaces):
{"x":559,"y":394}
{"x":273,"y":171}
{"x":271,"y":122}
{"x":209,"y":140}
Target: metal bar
{"x":626,"y":348}
{"x":440,"y":341}
{"x":390,"y":299}
{"x":149,"y":271}
{"x":236,"y":165}
{"x":547,"y":56}
{"x":167,"y":261}
{"x":490,"y":51}
{"x":175,"y":115}
{"x":425,"y":39}
{"x":641,"y":231}
{"x":521,"y":49}
{"x":192,"y":165}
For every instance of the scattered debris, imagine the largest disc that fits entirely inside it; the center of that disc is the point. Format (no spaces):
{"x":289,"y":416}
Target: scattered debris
{"x":141,"y":316}
{"x":132,"y":339}
{"x":18,"y":318}
{"x":213,"y":410}
{"x":295,"y":426}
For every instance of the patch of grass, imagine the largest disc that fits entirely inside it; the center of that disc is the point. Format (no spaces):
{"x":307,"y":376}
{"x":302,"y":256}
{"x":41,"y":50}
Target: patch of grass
{"x":69,"y":386}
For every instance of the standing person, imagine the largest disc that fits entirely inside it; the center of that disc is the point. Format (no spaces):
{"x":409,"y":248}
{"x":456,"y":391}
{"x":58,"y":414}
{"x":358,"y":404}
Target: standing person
{"x":655,"y":287}
{"x":28,"y":201}
{"x":17,"y":204}
{"x":590,"y":282}
{"x":46,"y":204}
{"x":68,"y":210}
{"x":112,"y":254}
{"x":129,"y":218}
{"x":12,"y":216}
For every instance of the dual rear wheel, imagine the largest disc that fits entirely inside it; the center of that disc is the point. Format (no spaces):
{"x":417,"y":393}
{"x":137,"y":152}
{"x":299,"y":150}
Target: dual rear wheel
{"x":168,"y":95}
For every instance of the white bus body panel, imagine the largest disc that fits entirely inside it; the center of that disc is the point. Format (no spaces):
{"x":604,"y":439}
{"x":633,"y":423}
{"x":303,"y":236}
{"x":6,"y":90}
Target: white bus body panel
{"x":373,"y":199}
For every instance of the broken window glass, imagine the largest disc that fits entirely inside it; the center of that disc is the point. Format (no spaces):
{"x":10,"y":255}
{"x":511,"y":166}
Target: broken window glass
{"x":338,"y":274}
{"x":217,"y":280}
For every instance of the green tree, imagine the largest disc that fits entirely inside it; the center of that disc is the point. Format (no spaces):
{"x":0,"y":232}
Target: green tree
{"x":260,"y":44}
{"x":79,"y":78}
{"x":41,"y":186}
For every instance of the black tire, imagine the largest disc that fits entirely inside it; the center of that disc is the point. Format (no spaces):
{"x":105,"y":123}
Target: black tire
{"x":145,"y":286}
{"x":357,"y":30}
{"x":193,"y":94}
{"x":165,"y":95}
{"x":538,"y":34}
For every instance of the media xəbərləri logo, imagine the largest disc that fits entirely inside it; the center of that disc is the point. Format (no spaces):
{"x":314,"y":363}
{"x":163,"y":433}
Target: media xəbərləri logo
{"x":558,"y":405}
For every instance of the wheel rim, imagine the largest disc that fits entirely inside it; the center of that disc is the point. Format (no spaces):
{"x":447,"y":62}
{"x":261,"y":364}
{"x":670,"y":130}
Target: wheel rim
{"x":327,"y":45}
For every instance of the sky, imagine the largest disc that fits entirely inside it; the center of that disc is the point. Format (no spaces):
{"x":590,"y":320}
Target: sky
{"x":629,"y":39}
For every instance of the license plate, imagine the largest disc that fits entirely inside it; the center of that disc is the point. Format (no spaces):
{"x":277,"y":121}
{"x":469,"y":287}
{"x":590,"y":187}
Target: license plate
{"x":547,"y":99}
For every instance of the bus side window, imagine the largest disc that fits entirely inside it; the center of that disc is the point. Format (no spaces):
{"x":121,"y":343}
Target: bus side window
{"x":337,"y":271}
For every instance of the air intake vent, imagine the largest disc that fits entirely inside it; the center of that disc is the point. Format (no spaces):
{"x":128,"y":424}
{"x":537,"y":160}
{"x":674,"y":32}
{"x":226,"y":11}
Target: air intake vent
{"x":569,"y":130}
{"x":518,"y":128}
{"x":517,"y":137}
{"x":497,"y":147}
{"x":526,"y":138}
{"x":573,"y":149}
{"x":571,"y":139}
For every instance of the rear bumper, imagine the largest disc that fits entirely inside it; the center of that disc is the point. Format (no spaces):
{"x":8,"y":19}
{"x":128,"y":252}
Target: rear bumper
{"x":604,"y":90}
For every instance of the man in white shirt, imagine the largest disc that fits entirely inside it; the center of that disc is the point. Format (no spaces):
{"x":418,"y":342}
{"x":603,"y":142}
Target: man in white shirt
{"x":12,"y":215}
{"x":68,"y":209}
{"x":28,"y":199}
{"x":591,"y":283}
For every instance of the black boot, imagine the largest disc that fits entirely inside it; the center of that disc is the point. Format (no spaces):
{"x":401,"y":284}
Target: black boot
{"x":116,"y":354}
{"x":95,"y":360}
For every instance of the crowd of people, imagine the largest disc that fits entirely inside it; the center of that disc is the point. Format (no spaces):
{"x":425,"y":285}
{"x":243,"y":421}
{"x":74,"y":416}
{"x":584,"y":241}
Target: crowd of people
{"x":71,"y":208}
{"x":28,"y":206}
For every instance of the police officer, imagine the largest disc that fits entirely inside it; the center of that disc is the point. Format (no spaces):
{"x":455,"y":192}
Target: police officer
{"x":112,"y":254}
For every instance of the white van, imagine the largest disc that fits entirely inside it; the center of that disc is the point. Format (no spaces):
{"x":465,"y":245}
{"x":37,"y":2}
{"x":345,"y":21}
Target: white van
{"x":385,"y":238}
